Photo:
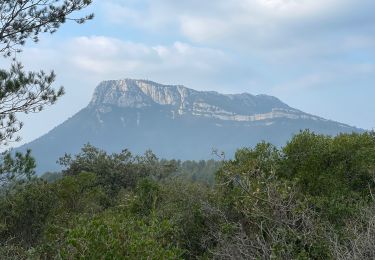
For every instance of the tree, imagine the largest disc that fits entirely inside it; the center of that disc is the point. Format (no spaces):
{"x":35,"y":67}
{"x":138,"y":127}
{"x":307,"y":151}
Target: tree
{"x":118,"y":170}
{"x":21,"y":91}
{"x":19,"y":167}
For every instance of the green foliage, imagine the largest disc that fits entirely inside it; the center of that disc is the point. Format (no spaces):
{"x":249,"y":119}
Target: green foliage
{"x":115,"y":234}
{"x":322,"y":163}
{"x":265,"y":215}
{"x":188,"y":206}
{"x":312,"y":199}
{"x":79,"y":194}
{"x":147,"y":196}
{"x":24,"y":211}
{"x":51,"y":176}
{"x":116,"y":171}
{"x":21,"y":91}
{"x":326,"y":179}
{"x":23,"y":20}
{"x":18,"y":168}
{"x":201,"y":171}
{"x":334,"y":171}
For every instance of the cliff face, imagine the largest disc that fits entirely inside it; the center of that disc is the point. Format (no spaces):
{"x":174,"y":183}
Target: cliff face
{"x":184,"y":101}
{"x":174,"y":122}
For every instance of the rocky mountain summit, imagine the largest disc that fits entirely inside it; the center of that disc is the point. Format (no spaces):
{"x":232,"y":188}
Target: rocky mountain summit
{"x":182,"y":101}
{"x":174,"y":122}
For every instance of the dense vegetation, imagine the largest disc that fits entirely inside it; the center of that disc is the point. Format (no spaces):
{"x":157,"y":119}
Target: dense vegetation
{"x":312,"y":199}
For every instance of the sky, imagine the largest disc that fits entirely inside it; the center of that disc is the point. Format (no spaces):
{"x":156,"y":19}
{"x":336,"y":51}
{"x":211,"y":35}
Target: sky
{"x":315,"y":55}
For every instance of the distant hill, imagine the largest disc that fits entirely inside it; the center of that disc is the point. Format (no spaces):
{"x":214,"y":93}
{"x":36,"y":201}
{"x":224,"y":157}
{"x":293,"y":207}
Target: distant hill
{"x":174,"y":122}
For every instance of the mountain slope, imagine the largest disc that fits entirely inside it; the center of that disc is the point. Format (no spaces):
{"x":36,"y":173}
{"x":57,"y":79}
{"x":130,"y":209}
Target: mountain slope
{"x":174,"y":122}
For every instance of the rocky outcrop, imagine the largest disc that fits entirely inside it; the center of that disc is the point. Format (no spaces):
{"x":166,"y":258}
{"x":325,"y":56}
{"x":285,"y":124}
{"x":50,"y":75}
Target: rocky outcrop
{"x":174,"y":122}
{"x":181,"y":101}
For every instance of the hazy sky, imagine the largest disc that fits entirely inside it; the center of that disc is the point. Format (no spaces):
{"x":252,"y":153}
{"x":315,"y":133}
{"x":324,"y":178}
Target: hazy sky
{"x":315,"y":55}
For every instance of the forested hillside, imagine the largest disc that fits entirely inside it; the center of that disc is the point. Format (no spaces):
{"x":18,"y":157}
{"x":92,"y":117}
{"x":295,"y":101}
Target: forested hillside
{"x":311,"y":199}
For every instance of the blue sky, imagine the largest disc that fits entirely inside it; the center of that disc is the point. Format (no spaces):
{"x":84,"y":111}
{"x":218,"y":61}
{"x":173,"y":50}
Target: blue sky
{"x":315,"y":55}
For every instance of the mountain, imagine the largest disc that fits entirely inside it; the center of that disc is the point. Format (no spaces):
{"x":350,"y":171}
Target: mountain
{"x":174,"y":122}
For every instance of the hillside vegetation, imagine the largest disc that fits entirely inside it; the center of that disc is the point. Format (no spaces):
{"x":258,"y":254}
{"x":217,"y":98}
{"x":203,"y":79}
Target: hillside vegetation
{"x":312,"y":199}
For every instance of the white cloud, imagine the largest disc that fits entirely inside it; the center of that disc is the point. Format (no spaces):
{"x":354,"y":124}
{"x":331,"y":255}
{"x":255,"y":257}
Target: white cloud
{"x":118,"y":14}
{"x":113,"y":58}
{"x":295,"y":49}
{"x":85,"y":61}
{"x":254,"y":25}
{"x":82,"y":62}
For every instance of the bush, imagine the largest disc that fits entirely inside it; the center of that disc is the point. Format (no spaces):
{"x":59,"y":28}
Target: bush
{"x":24,"y":212}
{"x":114,"y":234}
{"x":312,"y":199}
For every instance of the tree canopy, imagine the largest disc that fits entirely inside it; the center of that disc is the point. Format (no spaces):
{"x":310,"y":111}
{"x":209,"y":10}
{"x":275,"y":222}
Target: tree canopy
{"x":312,"y":199}
{"x":21,"y":91}
{"x":27,"y":91}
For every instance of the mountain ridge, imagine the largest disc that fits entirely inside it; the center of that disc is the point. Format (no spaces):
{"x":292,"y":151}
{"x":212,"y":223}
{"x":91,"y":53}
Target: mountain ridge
{"x":142,"y":93}
{"x":175,"y":122}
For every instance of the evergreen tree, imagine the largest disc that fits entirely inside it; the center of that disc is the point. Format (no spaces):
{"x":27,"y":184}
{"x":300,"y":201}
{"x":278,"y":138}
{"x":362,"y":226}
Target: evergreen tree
{"x":22,"y":91}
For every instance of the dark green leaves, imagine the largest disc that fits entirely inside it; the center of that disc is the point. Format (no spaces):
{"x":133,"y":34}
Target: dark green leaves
{"x":15,"y":168}
{"x":25,"y":92}
{"x":21,"y":91}
{"x":26,"y":19}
